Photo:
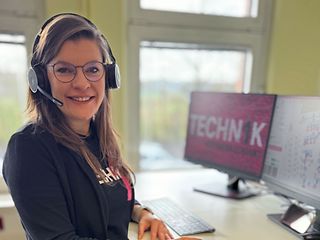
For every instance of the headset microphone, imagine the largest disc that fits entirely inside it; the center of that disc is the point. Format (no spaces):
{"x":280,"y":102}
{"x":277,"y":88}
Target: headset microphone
{"x":34,"y":87}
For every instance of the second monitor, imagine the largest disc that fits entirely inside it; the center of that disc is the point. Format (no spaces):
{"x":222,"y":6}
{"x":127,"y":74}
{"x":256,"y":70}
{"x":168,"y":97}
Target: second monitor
{"x":292,"y":165}
{"x":229,"y":132}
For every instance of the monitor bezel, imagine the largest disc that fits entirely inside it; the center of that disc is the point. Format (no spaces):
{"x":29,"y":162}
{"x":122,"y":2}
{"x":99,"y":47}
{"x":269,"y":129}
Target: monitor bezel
{"x":226,"y":170}
{"x":303,"y":197}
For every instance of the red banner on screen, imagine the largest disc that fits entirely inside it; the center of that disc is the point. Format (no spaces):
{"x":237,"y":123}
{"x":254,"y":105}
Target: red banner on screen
{"x":229,"y":130}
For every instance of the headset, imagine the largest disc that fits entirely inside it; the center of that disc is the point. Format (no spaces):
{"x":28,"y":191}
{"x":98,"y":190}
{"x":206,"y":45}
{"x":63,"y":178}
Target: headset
{"x":37,"y":75}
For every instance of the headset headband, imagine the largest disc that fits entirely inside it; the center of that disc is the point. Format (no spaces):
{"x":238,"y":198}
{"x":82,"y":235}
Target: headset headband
{"x":37,"y":39}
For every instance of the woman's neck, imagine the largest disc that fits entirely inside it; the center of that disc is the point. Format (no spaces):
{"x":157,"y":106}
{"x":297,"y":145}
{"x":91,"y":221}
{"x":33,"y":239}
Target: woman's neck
{"x":81,"y":127}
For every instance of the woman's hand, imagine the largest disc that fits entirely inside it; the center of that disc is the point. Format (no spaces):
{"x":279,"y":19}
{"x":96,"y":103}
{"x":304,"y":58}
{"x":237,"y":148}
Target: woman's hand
{"x":158,"y":230}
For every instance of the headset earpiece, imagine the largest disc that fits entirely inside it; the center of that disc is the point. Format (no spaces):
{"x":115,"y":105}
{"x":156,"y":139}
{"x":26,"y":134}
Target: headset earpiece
{"x":34,"y":86}
{"x":33,"y":80}
{"x":36,"y":75}
{"x":112,"y":76}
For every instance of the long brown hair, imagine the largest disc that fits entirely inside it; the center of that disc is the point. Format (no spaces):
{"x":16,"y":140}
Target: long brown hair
{"x":47,"y":115}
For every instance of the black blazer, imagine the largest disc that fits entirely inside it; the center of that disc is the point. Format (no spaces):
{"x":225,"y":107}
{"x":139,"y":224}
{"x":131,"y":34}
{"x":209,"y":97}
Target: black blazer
{"x":55,"y":191}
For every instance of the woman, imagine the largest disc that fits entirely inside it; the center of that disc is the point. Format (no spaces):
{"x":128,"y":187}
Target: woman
{"x":64,"y":168}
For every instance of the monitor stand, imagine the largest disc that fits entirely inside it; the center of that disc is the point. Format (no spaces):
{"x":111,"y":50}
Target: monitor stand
{"x":234,"y":189}
{"x":299,"y":221}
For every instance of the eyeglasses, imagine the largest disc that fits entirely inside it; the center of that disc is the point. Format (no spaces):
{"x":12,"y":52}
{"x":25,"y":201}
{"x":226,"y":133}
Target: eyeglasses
{"x":66,"y":72}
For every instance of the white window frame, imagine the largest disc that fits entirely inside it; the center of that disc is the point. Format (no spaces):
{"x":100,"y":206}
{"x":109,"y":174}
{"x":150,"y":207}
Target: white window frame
{"x":214,"y":32}
{"x":22,"y":17}
{"x":138,"y":16}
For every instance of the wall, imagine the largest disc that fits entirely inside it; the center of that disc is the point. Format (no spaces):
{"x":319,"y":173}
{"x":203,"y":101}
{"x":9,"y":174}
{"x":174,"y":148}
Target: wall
{"x":294,"y":61}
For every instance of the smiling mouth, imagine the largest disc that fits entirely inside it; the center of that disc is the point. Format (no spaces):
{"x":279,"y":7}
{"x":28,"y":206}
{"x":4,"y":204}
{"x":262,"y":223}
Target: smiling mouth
{"x":81,"y":99}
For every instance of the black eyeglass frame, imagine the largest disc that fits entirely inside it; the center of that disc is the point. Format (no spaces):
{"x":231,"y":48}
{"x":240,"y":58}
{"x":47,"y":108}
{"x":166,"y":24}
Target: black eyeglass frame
{"x":82,"y":68}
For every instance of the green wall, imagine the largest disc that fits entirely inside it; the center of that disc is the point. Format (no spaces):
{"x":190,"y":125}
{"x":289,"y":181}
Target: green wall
{"x":294,"y":60}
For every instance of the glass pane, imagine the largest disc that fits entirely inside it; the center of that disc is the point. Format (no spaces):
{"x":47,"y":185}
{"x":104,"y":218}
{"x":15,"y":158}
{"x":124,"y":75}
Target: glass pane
{"x":13,"y":61}
{"x":231,"y":8}
{"x":168,"y":74}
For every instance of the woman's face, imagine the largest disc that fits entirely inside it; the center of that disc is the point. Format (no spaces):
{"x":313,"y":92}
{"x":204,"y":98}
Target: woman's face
{"x":81,"y":98}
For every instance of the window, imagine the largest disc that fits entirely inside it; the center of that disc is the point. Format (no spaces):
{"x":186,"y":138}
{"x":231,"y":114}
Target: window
{"x":12,"y":91}
{"x":168,"y":74}
{"x":19,"y":24}
{"x":182,"y":47}
{"x":13,"y":59}
{"x":232,"y":8}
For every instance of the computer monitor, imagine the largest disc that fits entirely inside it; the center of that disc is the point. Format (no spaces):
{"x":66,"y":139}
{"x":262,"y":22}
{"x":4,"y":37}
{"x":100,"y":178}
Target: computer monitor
{"x":292,"y":164}
{"x":229,"y":132}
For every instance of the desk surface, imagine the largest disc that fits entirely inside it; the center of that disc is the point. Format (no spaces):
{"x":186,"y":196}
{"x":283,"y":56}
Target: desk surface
{"x":233,"y":219}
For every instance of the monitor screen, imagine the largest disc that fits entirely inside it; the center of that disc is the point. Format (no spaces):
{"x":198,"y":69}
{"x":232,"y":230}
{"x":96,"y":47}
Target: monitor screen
{"x":292,"y":165}
{"x":229,"y":131}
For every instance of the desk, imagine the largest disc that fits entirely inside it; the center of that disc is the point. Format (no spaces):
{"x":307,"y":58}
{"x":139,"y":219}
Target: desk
{"x":233,"y":219}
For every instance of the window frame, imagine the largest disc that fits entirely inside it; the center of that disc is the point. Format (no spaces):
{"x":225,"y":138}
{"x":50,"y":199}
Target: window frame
{"x":209,"y":31}
{"x":138,"y":16}
{"x":22,"y":17}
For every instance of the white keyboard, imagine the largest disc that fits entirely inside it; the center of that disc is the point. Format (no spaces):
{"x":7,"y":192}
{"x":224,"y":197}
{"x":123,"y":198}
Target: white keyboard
{"x":180,"y":220}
